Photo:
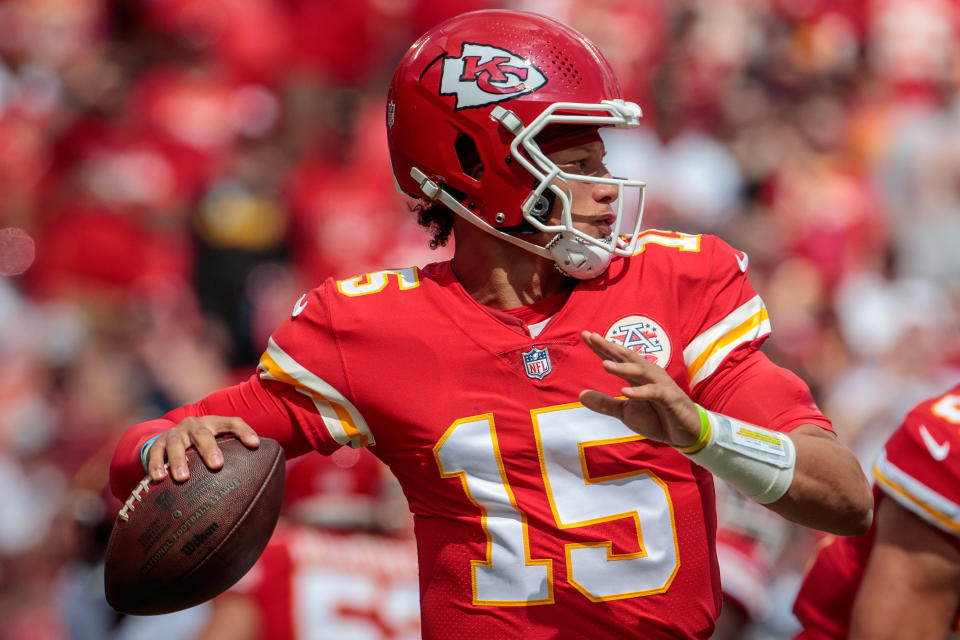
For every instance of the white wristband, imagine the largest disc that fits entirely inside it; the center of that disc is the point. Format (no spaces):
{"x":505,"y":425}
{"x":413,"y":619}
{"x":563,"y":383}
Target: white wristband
{"x":757,"y":461}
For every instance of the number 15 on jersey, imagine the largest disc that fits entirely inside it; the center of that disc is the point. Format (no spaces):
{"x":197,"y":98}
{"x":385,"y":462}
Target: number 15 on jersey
{"x":508,"y":574}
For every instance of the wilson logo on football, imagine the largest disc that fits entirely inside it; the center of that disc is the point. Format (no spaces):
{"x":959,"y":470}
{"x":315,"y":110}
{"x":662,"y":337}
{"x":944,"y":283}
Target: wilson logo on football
{"x":484,"y":74}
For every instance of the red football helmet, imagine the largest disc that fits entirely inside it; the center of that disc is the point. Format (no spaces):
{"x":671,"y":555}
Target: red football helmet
{"x":484,"y":87}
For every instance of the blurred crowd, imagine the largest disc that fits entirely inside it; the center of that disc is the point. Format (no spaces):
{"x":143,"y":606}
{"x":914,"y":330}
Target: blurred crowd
{"x":175,"y":173}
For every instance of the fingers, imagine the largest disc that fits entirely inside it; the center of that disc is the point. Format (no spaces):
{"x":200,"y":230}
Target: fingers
{"x":633,"y":372}
{"x":200,"y":433}
{"x":243,"y":431}
{"x":203,"y":432}
{"x":602,"y":403}
{"x":176,"y":449}
{"x":618,"y":354}
{"x":155,"y":459}
{"x":206,"y":445}
{"x":606,"y":349}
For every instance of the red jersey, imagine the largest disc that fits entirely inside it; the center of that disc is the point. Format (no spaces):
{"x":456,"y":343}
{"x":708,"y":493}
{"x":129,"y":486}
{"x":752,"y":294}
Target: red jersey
{"x":919,"y":468}
{"x":533,"y":514}
{"x":313,"y":584}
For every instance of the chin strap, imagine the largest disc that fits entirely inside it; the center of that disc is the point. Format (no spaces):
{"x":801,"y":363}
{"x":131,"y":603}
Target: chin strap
{"x":576,"y":258}
{"x":571,"y":255}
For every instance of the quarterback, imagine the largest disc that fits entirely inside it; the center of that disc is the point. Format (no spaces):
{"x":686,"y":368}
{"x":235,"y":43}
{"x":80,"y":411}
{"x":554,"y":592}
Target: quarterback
{"x":555,"y":399}
{"x":902,"y":578}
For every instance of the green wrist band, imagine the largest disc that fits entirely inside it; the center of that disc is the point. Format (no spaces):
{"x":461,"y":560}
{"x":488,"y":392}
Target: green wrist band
{"x":704,"y":433}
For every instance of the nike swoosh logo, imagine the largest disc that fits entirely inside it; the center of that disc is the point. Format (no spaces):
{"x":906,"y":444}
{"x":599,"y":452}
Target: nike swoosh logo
{"x":743,"y":261}
{"x":300,"y":305}
{"x":937,"y":450}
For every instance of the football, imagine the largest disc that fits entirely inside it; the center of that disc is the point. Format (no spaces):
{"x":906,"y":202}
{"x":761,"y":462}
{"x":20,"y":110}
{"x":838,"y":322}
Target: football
{"x":177,"y":544}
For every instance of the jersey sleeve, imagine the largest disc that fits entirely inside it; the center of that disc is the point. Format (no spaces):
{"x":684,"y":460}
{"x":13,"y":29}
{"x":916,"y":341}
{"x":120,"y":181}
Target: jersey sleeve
{"x":920,"y":465}
{"x":285,"y":400}
{"x":751,"y":388}
{"x":272,"y":409}
{"x":726,"y":370}
{"x":304,"y":355}
{"x":728,"y":314}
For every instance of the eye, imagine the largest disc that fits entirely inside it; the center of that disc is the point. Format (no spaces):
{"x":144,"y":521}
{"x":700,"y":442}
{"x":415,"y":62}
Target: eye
{"x":578,"y":165}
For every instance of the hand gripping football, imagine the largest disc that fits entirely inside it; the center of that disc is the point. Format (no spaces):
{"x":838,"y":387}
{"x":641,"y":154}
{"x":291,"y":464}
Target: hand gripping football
{"x":177,"y":544}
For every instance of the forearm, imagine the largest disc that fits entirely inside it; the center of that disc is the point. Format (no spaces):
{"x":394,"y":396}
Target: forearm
{"x":805,"y":476}
{"x":829,"y":490}
{"x":275,"y":412}
{"x":126,"y":467}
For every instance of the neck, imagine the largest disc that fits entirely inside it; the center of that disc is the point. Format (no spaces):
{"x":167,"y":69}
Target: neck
{"x":500,"y":275}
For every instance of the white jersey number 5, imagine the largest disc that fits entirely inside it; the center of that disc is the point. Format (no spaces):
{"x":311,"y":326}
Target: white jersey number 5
{"x":508,"y":575}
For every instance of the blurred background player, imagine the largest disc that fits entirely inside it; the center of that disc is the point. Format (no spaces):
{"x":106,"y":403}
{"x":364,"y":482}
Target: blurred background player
{"x":342,"y":563}
{"x":902,"y":578}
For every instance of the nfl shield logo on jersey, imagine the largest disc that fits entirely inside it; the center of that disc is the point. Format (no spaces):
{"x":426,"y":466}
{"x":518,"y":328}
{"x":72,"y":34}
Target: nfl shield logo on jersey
{"x":536,"y":362}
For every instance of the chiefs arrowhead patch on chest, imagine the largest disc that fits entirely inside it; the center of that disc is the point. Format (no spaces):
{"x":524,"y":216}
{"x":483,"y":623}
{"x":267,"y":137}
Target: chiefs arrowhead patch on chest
{"x":642,"y":335}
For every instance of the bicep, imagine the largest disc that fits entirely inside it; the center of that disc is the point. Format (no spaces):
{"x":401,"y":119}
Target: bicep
{"x":911,"y":587}
{"x":751,"y":388}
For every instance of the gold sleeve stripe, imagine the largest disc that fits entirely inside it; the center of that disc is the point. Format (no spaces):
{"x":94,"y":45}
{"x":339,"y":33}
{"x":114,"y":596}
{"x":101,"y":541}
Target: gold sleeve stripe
{"x":342,"y":419}
{"x":915,"y":496}
{"x":707,"y":351}
{"x":335,"y":417}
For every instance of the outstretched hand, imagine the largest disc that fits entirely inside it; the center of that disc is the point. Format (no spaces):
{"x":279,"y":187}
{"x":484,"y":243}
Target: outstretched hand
{"x":199,"y":432}
{"x":654,"y":405}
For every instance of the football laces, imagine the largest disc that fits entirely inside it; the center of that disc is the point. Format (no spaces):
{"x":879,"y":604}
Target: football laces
{"x":135,"y":496}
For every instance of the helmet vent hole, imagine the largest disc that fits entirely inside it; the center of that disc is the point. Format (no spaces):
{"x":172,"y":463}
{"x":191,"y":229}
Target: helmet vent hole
{"x":468,"y":155}
{"x":560,"y":67}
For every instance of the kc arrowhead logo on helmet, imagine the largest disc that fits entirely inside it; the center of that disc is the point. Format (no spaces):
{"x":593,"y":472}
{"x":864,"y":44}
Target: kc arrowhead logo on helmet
{"x":484,"y":74}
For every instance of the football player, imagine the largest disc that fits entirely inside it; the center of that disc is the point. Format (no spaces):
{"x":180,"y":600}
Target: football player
{"x":902,"y":578}
{"x":556,"y":398}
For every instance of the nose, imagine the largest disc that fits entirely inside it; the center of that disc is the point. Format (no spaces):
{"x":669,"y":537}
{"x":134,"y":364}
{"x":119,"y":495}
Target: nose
{"x":605,"y":193}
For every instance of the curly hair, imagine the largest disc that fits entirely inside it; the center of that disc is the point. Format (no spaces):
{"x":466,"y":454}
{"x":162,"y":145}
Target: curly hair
{"x":434,"y":217}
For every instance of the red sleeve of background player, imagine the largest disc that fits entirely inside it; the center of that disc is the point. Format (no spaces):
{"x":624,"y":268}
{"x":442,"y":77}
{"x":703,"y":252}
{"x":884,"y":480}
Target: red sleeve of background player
{"x":920,"y":465}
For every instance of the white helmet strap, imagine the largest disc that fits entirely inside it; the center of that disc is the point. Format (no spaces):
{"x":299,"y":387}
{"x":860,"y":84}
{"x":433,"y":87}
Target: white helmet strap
{"x":576,"y":258}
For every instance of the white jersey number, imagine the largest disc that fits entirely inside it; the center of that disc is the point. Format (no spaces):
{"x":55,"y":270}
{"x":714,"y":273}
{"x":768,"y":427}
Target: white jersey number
{"x":948,"y":408}
{"x":508,"y":575}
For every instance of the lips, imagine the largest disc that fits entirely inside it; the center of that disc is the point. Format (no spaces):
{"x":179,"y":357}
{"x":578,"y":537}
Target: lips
{"x":605,"y":225}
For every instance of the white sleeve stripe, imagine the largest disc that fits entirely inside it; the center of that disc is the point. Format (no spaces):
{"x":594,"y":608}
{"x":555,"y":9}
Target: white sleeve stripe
{"x":330,"y":419}
{"x":325,"y":397}
{"x":915,"y":496}
{"x":325,"y":409}
{"x":704,"y":354}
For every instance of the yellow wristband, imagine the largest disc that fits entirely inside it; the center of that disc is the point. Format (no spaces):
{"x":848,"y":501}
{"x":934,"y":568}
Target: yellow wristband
{"x":704,"y":433}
